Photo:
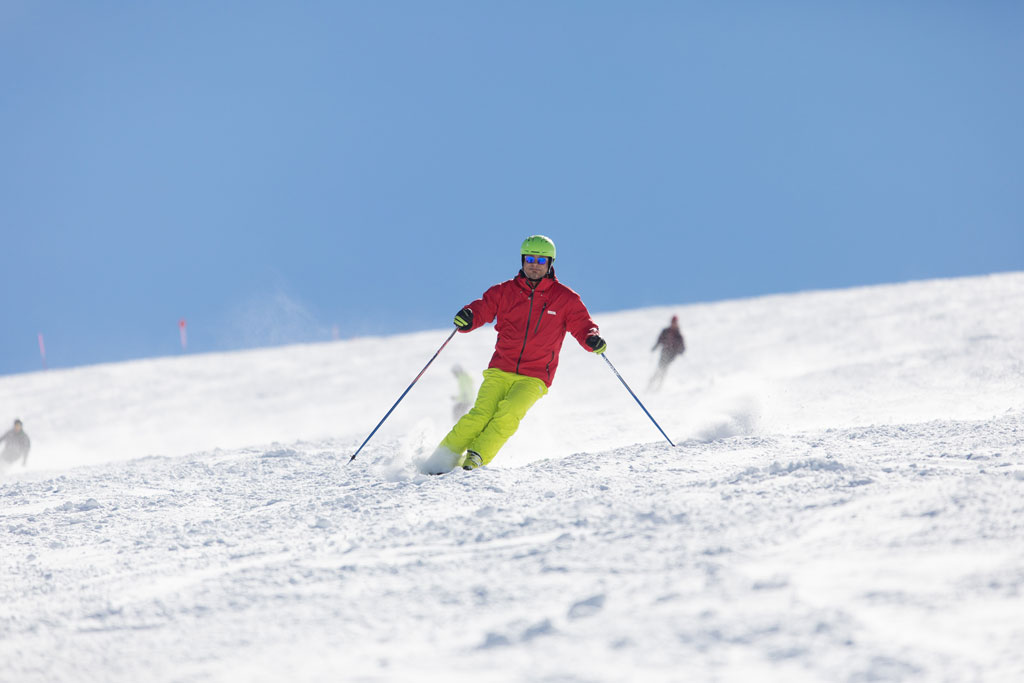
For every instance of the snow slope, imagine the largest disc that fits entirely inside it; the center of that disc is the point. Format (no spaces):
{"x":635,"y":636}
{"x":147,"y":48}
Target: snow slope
{"x":844,"y":503}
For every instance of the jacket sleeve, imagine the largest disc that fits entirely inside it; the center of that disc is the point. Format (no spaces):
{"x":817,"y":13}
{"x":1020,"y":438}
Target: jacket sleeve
{"x":579,"y":323}
{"x":485,"y":308}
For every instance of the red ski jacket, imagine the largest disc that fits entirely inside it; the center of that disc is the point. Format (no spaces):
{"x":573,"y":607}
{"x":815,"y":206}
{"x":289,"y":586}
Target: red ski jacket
{"x":532,"y":324}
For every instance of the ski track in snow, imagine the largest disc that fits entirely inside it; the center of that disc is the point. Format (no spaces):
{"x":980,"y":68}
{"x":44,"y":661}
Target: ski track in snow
{"x":886,"y":551}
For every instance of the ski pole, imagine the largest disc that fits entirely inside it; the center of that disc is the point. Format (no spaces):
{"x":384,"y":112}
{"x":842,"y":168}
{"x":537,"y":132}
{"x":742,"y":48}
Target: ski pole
{"x":404,"y":393}
{"x":605,"y":356}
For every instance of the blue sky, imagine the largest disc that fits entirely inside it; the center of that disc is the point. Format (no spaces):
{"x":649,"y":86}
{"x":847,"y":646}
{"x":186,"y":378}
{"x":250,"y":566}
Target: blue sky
{"x":273,"y":171}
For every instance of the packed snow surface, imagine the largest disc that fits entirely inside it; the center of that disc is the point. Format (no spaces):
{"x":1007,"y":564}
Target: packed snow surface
{"x":845,"y":502}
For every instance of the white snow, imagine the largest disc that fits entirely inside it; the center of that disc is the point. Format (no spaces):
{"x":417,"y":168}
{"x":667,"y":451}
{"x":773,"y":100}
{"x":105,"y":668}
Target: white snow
{"x":845,"y":503}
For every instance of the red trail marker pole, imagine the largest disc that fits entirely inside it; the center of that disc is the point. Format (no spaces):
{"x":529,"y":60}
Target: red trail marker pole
{"x":184,"y":334}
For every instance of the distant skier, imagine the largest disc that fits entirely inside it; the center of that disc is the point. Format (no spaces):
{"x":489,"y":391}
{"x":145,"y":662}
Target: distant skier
{"x":534,"y":311}
{"x":671,"y":342}
{"x":16,"y":445}
{"x":464,"y":398}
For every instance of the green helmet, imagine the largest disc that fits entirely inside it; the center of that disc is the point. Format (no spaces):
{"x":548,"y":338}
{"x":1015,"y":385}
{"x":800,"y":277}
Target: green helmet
{"x":538,"y":245}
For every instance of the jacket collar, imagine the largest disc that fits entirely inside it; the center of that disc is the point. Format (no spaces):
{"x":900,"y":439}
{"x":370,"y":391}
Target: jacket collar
{"x":546,"y":282}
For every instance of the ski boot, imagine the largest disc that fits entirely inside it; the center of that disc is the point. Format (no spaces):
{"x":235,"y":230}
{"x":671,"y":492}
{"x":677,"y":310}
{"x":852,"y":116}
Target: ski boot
{"x":472,"y":461}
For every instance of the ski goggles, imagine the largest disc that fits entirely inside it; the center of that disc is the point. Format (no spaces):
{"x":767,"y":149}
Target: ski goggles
{"x":536,"y":259}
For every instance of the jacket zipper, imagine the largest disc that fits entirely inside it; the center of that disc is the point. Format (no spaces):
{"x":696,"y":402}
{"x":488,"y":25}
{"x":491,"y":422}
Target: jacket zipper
{"x":540,"y":317}
{"x":529,"y":317}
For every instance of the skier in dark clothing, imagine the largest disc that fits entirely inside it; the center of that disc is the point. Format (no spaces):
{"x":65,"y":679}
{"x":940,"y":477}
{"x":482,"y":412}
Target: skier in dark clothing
{"x":671,"y":342}
{"x":16,"y":445}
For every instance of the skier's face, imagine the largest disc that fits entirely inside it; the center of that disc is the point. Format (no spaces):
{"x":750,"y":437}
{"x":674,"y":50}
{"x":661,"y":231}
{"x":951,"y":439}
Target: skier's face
{"x":536,"y":270}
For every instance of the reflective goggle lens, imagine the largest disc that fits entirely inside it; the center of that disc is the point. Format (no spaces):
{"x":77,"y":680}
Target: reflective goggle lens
{"x":536,"y":259}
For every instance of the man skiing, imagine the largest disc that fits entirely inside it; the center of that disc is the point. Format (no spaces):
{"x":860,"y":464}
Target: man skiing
{"x":671,"y":342}
{"x":534,"y":311}
{"x":16,"y":447}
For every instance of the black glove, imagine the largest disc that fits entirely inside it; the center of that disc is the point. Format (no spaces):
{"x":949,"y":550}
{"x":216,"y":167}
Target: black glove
{"x":596,"y":344}
{"x":464,"y":319}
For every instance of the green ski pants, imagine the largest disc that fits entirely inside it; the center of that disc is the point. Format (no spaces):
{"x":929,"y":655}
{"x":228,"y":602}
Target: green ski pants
{"x":502,"y":401}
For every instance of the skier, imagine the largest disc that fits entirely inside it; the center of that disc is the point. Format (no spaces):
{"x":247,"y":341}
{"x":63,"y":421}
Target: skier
{"x":464,"y":398}
{"x":534,"y":311}
{"x":671,"y":342}
{"x":17,"y":446}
